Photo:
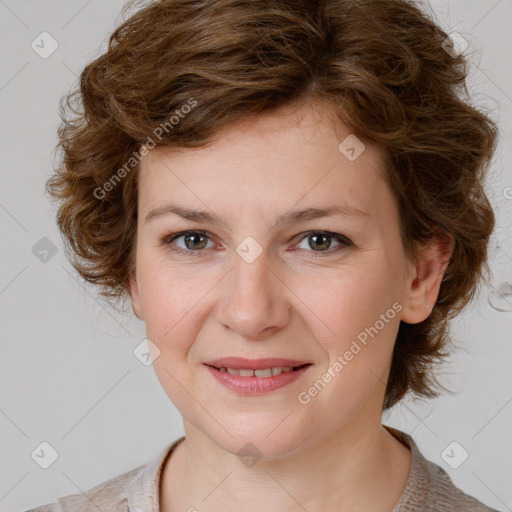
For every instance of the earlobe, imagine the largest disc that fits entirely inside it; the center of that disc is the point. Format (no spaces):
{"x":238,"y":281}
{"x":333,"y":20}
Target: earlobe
{"x":134,"y":293}
{"x":426,"y":276}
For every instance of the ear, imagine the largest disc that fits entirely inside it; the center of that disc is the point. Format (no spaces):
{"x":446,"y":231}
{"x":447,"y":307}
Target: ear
{"x":425,"y":277}
{"x":134,"y":294}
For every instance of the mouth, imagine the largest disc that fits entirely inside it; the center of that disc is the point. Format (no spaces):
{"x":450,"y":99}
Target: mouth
{"x":260,"y":372}
{"x":266,"y":367}
{"x":256,"y":376}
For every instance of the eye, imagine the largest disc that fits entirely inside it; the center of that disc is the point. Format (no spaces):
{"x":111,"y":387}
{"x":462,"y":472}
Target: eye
{"x":196,"y":240}
{"x":193,"y":241}
{"x":321,"y":240}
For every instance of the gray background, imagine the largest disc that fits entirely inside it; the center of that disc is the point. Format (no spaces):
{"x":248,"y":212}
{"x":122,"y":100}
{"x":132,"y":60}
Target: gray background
{"x":68,"y":374}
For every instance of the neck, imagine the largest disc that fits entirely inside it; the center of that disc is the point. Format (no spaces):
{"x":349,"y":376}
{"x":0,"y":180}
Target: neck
{"x":350,"y":470}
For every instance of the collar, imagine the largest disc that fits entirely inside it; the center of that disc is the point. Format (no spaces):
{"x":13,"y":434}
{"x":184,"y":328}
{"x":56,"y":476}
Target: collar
{"x":143,"y":491}
{"x":415,"y":493}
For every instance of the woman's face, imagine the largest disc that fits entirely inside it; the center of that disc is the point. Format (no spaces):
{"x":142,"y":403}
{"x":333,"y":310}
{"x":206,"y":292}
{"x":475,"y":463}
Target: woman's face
{"x":256,"y":283}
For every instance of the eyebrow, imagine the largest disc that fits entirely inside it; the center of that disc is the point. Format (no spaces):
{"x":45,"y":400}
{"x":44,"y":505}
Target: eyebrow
{"x":295,"y":216}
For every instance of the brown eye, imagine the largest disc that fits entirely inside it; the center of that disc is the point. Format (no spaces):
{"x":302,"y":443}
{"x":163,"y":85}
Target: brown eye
{"x":321,"y":241}
{"x":193,"y":241}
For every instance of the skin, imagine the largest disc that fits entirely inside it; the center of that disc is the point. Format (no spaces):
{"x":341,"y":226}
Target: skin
{"x":331,"y":453}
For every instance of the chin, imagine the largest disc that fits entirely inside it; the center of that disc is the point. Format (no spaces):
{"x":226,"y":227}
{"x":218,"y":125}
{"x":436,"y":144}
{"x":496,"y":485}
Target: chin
{"x":256,"y":444}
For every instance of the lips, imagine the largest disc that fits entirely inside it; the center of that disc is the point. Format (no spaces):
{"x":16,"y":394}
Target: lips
{"x":247,"y":379}
{"x":241,"y":363}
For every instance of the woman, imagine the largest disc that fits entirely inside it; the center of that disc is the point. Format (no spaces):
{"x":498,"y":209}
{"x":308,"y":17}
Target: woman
{"x":290,"y":195}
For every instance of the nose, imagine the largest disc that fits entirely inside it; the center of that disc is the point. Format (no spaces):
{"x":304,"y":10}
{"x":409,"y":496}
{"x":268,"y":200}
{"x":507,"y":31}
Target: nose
{"x":254,"y":301}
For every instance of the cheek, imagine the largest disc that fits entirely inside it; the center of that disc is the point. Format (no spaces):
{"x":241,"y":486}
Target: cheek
{"x":357,"y":321}
{"x":171,"y":301}
{"x":349,"y":304}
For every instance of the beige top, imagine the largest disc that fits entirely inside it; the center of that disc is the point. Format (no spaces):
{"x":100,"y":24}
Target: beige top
{"x":428,"y":489}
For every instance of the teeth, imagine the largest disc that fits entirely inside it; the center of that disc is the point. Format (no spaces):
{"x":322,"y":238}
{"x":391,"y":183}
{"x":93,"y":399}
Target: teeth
{"x":266,"y":372}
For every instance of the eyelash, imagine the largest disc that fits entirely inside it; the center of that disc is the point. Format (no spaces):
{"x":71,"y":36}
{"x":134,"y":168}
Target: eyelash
{"x":344,"y":241}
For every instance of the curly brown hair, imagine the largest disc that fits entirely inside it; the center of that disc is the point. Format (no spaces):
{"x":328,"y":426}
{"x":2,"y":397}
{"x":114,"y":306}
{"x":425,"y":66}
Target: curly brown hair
{"x":382,"y":66}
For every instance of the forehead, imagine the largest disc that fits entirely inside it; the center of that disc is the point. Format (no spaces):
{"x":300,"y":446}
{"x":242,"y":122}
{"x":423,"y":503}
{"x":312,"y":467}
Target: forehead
{"x":274,"y":160}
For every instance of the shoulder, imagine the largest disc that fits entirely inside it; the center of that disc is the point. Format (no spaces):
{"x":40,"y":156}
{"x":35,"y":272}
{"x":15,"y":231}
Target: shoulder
{"x":429,"y":488}
{"x":110,"y":495}
{"x":445,"y":496}
{"x":135,"y":490}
